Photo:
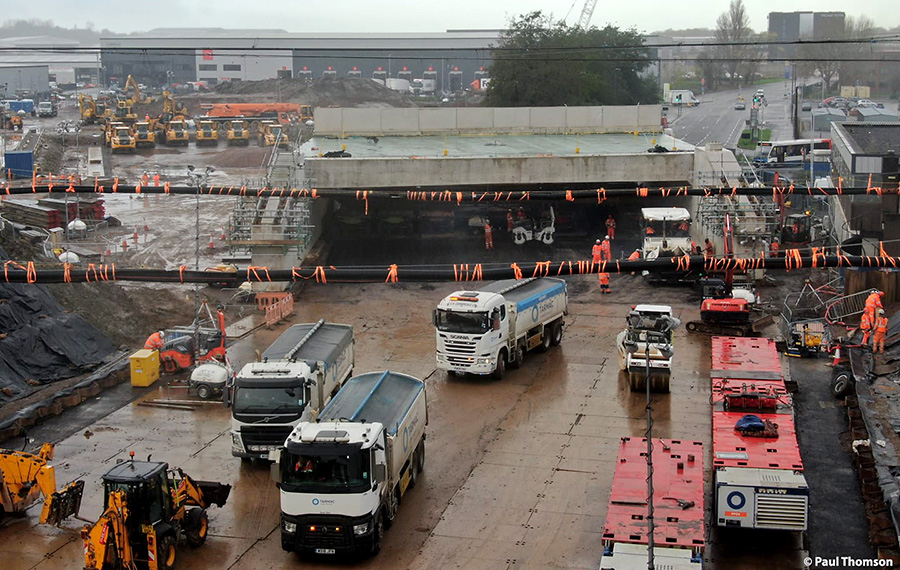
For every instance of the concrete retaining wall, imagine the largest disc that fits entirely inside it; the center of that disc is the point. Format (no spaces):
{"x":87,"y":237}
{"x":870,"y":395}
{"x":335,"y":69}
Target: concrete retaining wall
{"x":495,"y":120}
{"x":532,"y":170}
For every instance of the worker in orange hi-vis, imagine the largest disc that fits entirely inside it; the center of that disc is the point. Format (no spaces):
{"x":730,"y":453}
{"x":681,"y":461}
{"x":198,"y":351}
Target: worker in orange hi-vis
{"x":145,"y":179}
{"x":881,"y":326}
{"x":611,"y":227}
{"x":154,"y":341}
{"x":604,"y":282}
{"x":865,"y":325}
{"x":156,"y":179}
{"x":605,"y":251}
{"x":635,"y":255}
{"x":773,"y":248}
{"x":709,"y":249}
{"x":597,"y":252}
{"x":488,"y":236}
{"x":510,"y":222}
{"x":873,"y":303}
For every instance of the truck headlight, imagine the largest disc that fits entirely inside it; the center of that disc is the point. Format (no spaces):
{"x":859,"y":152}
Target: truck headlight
{"x":489,"y":360}
{"x":361,"y":529}
{"x":289,"y":527}
{"x":236,"y":443}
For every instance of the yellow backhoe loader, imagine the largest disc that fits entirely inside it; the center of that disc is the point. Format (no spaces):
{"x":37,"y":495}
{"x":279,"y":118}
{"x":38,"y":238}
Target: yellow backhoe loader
{"x":149,"y":509}
{"x":25,"y":477}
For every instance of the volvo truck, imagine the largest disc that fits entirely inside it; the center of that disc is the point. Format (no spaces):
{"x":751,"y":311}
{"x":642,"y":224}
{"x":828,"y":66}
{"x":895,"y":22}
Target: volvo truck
{"x":481,"y":332}
{"x":298,"y":374}
{"x":342,"y":478}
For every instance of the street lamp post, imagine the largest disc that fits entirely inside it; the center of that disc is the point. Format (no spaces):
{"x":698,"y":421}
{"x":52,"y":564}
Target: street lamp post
{"x":662,"y":339}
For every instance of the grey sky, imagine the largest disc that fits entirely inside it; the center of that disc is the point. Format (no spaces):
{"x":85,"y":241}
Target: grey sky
{"x":413,"y":15}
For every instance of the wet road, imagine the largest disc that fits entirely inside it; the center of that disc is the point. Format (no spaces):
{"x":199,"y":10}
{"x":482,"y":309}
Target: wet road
{"x":518,"y":472}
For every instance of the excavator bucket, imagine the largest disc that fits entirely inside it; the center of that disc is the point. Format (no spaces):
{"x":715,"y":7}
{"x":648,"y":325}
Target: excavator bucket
{"x":214,"y":493}
{"x":63,"y":504}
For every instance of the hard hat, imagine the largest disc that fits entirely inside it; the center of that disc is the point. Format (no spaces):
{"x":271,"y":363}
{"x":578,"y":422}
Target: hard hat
{"x":607,"y":237}
{"x":880,"y":311}
{"x":598,"y":241}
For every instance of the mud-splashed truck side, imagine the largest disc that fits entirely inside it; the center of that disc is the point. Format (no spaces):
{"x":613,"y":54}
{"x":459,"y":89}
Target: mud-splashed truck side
{"x":484,"y":331}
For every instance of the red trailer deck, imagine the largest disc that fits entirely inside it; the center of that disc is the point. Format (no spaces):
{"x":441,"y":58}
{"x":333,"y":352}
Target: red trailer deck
{"x":759,"y":480}
{"x":679,"y":514}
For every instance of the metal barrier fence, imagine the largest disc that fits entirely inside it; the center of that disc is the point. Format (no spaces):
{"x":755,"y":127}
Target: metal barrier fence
{"x":847,"y":306}
{"x":276,"y":305}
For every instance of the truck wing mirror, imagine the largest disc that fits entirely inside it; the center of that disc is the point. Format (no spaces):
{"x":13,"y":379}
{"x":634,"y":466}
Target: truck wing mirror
{"x":380,"y":472}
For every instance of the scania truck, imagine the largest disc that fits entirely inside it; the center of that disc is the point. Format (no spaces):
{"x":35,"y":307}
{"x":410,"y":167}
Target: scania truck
{"x":298,"y":375}
{"x":342,"y":478}
{"x":481,"y":332}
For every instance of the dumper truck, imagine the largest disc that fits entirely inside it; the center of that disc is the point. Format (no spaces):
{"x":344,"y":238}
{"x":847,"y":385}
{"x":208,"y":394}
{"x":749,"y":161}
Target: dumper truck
{"x":298,"y":375}
{"x":481,"y":332}
{"x":342,"y":478}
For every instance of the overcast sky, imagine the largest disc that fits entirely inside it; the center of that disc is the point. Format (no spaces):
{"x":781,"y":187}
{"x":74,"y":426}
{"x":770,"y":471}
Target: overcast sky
{"x":414,"y":15}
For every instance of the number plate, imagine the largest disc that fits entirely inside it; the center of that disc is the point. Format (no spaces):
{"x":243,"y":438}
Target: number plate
{"x":324,"y":551}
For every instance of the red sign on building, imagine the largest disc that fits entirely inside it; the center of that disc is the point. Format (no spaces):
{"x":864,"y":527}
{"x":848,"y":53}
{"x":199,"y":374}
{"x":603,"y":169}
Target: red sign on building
{"x":207,"y":54}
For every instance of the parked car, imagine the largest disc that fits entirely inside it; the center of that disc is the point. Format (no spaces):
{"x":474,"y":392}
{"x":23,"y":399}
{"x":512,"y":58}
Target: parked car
{"x":806,"y":106}
{"x":869,"y":103}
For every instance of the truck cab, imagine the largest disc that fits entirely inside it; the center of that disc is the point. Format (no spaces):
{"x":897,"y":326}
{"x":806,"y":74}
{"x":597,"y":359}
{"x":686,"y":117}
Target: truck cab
{"x":666,"y":232}
{"x":207,"y":133}
{"x":46,"y":109}
{"x":122,"y":140}
{"x":237,"y":133}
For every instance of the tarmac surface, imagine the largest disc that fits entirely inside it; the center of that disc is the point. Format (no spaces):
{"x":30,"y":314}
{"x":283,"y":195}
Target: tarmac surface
{"x":518,"y":471}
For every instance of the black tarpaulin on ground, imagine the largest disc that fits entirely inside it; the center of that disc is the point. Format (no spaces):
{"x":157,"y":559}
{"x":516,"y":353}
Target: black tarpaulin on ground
{"x":43,"y":343}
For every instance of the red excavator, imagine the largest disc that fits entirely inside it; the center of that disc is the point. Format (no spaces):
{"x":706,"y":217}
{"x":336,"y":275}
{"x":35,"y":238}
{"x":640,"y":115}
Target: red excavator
{"x":721,"y":311}
{"x":205,"y":338}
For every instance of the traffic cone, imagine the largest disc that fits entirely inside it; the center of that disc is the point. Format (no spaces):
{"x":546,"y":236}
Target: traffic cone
{"x":211,"y":244}
{"x":837,"y":356}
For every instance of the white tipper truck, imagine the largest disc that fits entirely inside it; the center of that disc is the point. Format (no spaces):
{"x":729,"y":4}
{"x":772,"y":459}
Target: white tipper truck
{"x":298,"y":375}
{"x":481,"y":332}
{"x":342,"y":477}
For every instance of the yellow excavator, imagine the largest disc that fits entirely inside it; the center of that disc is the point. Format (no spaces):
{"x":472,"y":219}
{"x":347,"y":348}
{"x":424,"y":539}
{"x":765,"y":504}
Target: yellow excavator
{"x":92,"y":111}
{"x":136,"y":97}
{"x":173,"y":110}
{"x":25,"y":477}
{"x":149,"y":509}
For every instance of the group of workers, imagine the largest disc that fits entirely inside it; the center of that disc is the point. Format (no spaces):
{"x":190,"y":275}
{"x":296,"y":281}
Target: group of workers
{"x":510,"y":224}
{"x":873,"y":322}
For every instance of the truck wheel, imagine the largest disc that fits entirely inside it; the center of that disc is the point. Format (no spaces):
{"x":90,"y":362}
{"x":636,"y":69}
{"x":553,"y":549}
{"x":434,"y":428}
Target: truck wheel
{"x":165,"y":553}
{"x":692,"y":326}
{"x":413,"y":472}
{"x":204,"y":392}
{"x":841,"y":383}
{"x":390,"y":510}
{"x":545,"y":340}
{"x":501,"y":366}
{"x":420,"y":458}
{"x":196,"y":527}
{"x":377,"y":535}
{"x":518,"y":356}
{"x":556,"y":333}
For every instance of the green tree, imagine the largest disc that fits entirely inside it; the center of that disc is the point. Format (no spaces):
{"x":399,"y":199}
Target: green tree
{"x":733,"y":27}
{"x":541,"y":63}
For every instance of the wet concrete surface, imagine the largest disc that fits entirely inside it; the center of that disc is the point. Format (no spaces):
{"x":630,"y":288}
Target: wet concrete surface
{"x":517,"y":475}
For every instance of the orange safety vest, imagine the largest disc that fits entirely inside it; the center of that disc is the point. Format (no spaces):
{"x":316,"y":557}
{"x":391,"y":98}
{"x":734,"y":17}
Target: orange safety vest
{"x":610,"y":223}
{"x":881,"y":324}
{"x":604,"y":248}
{"x":604,"y":278}
{"x":487,"y":230}
{"x":597,"y":250}
{"x":865,"y":322}
{"x":635,"y":255}
{"x":710,"y":249}
{"x":154,"y":342}
{"x":873,"y":301}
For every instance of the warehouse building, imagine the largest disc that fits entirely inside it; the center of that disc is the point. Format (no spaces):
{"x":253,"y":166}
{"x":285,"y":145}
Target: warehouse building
{"x":453,"y":59}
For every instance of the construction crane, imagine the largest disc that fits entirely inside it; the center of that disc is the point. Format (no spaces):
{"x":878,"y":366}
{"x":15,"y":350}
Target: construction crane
{"x":586,"y":12}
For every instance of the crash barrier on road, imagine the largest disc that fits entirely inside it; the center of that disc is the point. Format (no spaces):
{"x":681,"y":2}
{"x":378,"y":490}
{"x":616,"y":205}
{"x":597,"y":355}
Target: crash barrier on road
{"x":276,"y":305}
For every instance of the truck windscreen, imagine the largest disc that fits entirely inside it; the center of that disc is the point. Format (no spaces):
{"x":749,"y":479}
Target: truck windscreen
{"x":311,"y":473}
{"x":268,"y":400}
{"x":468,"y":323}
